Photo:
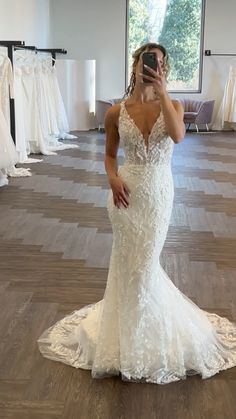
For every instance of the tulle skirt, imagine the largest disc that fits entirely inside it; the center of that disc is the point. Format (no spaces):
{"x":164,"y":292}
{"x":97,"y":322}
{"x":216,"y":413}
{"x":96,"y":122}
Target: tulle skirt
{"x":8,"y":153}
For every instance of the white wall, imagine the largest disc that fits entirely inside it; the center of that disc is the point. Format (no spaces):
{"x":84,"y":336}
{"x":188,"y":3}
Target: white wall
{"x":96,"y":29}
{"x":93,"y":29}
{"x":25,"y":20}
{"x":220,"y":37}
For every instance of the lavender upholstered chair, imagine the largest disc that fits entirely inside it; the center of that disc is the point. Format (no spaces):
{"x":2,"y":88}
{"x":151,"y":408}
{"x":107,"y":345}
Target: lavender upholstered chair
{"x":197,"y":112}
{"x":101,"y":107}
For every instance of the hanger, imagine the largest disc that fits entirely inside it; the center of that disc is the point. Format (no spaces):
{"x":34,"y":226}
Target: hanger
{"x":50,"y":59}
{"x":28,"y":55}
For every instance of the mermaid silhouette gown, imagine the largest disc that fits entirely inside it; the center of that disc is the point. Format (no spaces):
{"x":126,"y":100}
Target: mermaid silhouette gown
{"x":144,"y":329}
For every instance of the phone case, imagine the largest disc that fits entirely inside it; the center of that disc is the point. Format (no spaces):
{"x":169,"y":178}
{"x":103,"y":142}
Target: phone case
{"x":150,"y":59}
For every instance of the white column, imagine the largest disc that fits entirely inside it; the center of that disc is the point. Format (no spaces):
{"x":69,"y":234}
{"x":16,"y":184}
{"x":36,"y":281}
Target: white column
{"x":77,"y":84}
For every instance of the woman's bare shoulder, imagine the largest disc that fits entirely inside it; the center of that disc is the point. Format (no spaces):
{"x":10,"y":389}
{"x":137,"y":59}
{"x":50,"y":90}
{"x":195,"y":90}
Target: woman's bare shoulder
{"x":112,"y":114}
{"x":177,"y":104}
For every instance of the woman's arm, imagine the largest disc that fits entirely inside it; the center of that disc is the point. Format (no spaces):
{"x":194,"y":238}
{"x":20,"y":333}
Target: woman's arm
{"x":112,"y":141}
{"x":174,"y":117}
{"x":172,"y":110}
{"x":119,"y":188}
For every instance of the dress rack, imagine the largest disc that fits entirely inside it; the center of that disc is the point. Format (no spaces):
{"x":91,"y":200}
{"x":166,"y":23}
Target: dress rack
{"x":11,"y":47}
{"x":53,"y":51}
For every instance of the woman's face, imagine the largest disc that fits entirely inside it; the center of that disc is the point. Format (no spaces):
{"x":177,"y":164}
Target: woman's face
{"x":139,"y":66}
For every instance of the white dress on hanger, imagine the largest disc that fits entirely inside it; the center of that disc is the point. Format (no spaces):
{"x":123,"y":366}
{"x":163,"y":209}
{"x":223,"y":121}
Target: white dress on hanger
{"x":56,"y":116}
{"x":144,"y":328}
{"x":36,"y":118}
{"x":48,"y":97}
{"x":43,"y":103}
{"x":22,"y":145}
{"x":8,"y":154}
{"x":6,"y":87}
{"x":29,"y":134}
{"x":36,"y":112}
{"x":62,"y":119}
{"x":33,"y":128}
{"x":226,"y":116}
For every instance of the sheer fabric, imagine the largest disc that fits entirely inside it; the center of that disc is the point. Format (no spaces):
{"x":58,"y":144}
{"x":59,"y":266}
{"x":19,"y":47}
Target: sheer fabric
{"x":144,"y":328}
{"x":6,"y":87}
{"x":9,"y":155}
{"x":40,"y":114}
{"x":226,"y":116}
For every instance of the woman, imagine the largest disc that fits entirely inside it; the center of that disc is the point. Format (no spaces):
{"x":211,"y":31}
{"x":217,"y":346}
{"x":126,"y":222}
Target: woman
{"x":144,"y":328}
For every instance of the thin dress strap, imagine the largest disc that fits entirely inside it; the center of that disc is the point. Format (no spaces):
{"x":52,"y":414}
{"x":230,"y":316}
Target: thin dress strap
{"x":122,"y":108}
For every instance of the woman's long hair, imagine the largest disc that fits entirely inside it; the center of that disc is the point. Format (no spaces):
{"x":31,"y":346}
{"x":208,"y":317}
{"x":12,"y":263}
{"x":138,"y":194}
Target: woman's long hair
{"x":136,"y":55}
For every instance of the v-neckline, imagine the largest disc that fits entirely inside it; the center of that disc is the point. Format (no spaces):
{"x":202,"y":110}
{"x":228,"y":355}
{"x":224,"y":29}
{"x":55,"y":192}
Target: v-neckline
{"x":146,"y":142}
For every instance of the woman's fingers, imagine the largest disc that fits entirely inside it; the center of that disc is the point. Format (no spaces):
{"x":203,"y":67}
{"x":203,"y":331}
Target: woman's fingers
{"x":123,"y":197}
{"x":159,"y":71}
{"x":157,"y":75}
{"x":147,"y":77}
{"x":150,"y":70}
{"x":126,"y":189}
{"x":116,"y":202}
{"x":124,"y":202}
{"x":152,"y":79}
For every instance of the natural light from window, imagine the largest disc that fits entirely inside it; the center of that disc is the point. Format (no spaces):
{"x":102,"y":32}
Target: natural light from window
{"x":176,"y":24}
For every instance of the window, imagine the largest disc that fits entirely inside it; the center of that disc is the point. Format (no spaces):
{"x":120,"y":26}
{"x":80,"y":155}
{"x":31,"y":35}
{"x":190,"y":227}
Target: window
{"x":178,"y":26}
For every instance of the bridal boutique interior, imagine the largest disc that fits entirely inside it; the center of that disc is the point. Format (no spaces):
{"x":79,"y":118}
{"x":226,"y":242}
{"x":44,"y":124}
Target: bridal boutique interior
{"x":59,"y":61}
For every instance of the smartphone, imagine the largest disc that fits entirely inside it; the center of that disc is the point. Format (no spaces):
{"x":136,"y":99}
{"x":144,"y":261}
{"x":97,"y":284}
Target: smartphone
{"x":150,"y":59}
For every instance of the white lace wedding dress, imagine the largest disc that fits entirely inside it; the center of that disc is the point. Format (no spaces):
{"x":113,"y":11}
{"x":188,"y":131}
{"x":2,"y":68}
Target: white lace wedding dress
{"x":144,"y":329}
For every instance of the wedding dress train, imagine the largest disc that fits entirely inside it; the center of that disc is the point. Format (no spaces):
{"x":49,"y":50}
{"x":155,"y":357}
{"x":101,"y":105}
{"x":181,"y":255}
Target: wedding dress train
{"x":144,"y":328}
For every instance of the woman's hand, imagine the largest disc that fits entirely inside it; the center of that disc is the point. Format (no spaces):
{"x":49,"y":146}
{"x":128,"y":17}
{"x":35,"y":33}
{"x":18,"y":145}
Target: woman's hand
{"x":157,"y":78}
{"x":172,"y":109}
{"x":120,"y":191}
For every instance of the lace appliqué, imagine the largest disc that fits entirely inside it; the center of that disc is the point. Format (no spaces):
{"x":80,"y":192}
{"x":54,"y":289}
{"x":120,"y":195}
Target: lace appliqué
{"x":160,"y":145}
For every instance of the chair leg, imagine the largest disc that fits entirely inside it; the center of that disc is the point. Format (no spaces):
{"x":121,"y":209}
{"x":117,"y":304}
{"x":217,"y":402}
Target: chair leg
{"x":196,"y":127}
{"x":207,"y":127}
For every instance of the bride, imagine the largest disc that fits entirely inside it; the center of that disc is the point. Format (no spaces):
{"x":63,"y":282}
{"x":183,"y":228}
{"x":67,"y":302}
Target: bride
{"x":144,"y":329}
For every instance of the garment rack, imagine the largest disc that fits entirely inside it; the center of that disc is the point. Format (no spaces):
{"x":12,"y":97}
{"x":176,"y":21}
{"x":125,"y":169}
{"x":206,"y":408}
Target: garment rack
{"x":16,"y":45}
{"x":9,"y":45}
{"x":53,"y":51}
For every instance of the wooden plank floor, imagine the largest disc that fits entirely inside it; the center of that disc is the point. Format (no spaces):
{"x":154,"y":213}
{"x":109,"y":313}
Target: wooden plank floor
{"x":55,"y":243}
